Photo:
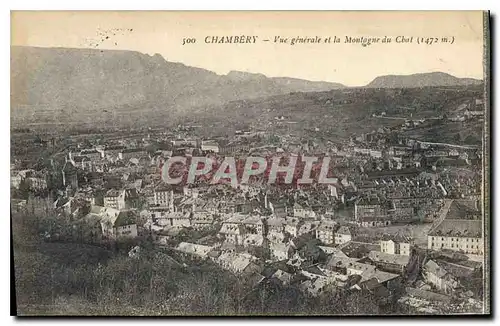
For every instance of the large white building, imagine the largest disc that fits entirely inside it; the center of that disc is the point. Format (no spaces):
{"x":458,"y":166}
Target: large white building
{"x":210,"y":146}
{"x":458,"y":235}
{"x":115,"y":199}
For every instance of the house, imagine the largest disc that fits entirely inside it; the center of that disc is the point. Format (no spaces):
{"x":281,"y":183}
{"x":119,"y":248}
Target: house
{"x":15,"y":179}
{"x":92,"y":154}
{"x":158,"y":215}
{"x":253,"y":240}
{"x":190,"y":192}
{"x":390,"y":262}
{"x":36,"y":182}
{"x":284,"y":277}
{"x":70,"y":175}
{"x":458,"y":235}
{"x":380,"y":221}
{"x":303,"y":212}
{"x":178,"y":219}
{"x":326,"y":232}
{"x":162,"y":236}
{"x":126,"y":225}
{"x":110,"y":152}
{"x":210,"y":146}
{"x":129,"y":153}
{"x":369,"y":272}
{"x":75,"y":207}
{"x":114,"y":223}
{"x":184,"y":142}
{"x":401,"y":246}
{"x":439,"y":277}
{"x":342,"y":235}
{"x":424,"y":301}
{"x":210,"y":206}
{"x":115,"y":198}
{"x":370,"y":212}
{"x":358,"y":249}
{"x":308,"y":227}
{"x":276,"y":229}
{"x":332,"y":251}
{"x":277,"y":207}
{"x":314,"y":287}
{"x":339,"y":263}
{"x":132,"y":199}
{"x":232,"y":230}
{"x":253,"y":225}
{"x":163,"y":196}
{"x":292,"y":225}
{"x":280,"y":251}
{"x":202,"y":220}
{"x":82,"y":162}
{"x":195,"y":250}
{"x":239,"y":263}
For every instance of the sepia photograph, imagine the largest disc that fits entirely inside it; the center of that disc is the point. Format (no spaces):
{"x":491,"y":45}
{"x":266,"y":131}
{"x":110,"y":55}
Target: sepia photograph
{"x":250,"y":163}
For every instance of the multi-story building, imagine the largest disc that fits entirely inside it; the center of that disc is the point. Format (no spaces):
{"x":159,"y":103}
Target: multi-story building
{"x":128,"y":153}
{"x":303,"y":212}
{"x":371,"y":212}
{"x":326,"y":232}
{"x":367,"y":208}
{"x":395,"y":247}
{"x":342,"y":235}
{"x":163,"y":196}
{"x":115,"y":198}
{"x":458,"y":235}
{"x":253,"y":225}
{"x":232,"y":230}
{"x":292,"y":226}
{"x":276,"y":229}
{"x":210,"y":146}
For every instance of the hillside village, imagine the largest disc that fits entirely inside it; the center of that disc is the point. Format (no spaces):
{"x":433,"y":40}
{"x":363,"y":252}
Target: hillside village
{"x":402,"y":220}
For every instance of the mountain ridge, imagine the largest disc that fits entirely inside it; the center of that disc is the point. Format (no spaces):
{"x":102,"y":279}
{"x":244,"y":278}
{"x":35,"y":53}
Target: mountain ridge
{"x":57,"y":82}
{"x":65,"y":77}
{"x":425,"y":79}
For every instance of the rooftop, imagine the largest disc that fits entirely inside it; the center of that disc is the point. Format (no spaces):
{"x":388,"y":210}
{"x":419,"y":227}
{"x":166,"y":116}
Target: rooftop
{"x":383,"y":257}
{"x":125,"y":218}
{"x":458,"y":228}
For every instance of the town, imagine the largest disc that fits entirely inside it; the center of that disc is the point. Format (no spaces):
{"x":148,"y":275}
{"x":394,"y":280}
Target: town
{"x":399,"y":218}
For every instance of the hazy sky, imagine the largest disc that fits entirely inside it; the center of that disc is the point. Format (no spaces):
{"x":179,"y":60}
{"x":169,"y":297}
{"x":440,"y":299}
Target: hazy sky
{"x":350,"y":64}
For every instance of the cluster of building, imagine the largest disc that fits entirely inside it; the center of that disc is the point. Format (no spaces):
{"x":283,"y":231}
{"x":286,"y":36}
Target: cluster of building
{"x":311,"y":237}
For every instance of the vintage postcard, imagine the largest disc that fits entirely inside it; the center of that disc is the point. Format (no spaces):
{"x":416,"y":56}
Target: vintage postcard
{"x":250,"y":163}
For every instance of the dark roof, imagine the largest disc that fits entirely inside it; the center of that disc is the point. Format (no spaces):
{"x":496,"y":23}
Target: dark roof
{"x":358,"y":250}
{"x":117,"y":147}
{"x":131,"y":193}
{"x":457,"y":270}
{"x":384,"y":173}
{"x":396,"y":238}
{"x":113,"y":193}
{"x":314,"y":270}
{"x":427,"y":295}
{"x":458,"y":228}
{"x":125,"y":218}
{"x":88,"y":151}
{"x":370,"y":284}
{"x":133,"y":150}
{"x":462,"y":209}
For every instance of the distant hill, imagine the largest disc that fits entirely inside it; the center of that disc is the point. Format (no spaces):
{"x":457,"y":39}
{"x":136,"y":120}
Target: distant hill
{"x":90,"y":79}
{"x":341,"y":113}
{"x":421,"y":80}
